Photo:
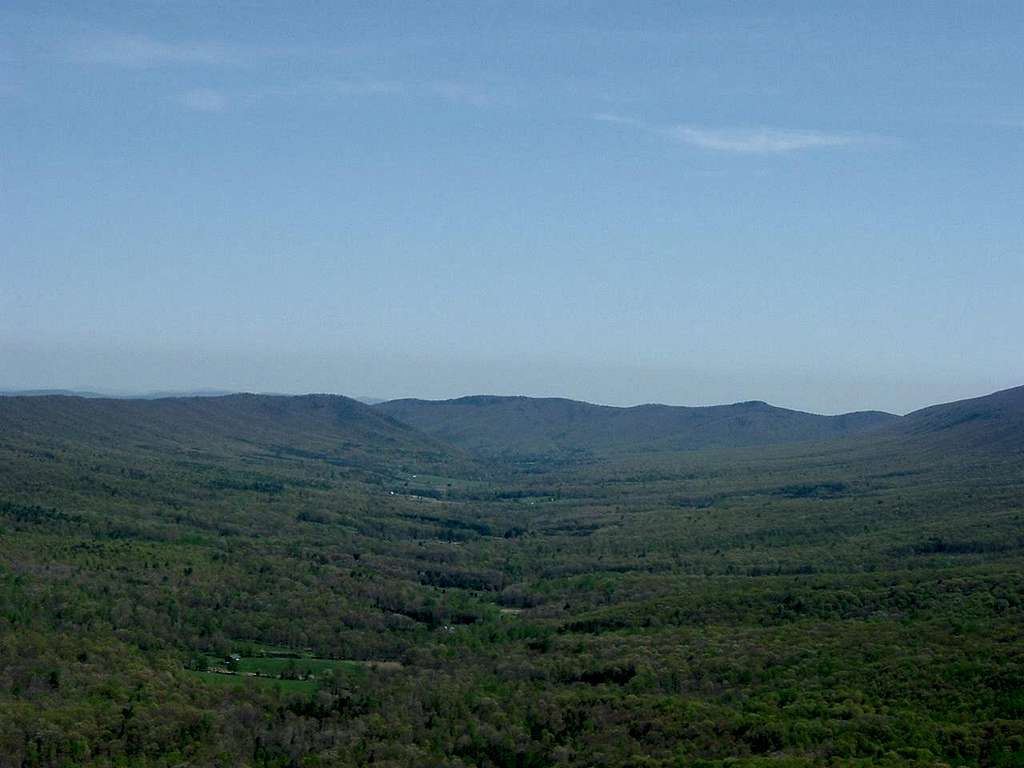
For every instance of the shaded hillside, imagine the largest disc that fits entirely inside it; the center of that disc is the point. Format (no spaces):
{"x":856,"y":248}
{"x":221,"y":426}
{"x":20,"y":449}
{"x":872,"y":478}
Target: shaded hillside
{"x":332,"y":428}
{"x":993,"y":422}
{"x":486,"y":425}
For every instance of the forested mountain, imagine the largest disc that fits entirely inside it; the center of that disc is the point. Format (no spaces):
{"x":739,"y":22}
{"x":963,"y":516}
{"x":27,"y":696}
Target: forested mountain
{"x":333,"y":428}
{"x":994,"y":422}
{"x":490,"y":426}
{"x":286,"y":582}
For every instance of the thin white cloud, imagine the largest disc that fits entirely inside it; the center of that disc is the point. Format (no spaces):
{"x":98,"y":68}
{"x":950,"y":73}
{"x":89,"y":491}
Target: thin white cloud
{"x":760,"y":140}
{"x":757,"y":140}
{"x":461,"y":93}
{"x":464,"y":94}
{"x":328,"y":88}
{"x":128,"y":50}
{"x":209,"y":100}
{"x":367,"y":87}
{"x":203,"y":100}
{"x":608,"y":117}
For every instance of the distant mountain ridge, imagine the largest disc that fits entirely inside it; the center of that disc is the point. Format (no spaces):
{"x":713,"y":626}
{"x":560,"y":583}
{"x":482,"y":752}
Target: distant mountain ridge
{"x":51,"y":392}
{"x":458,"y":433}
{"x":992,"y":422}
{"x":489,"y":425}
{"x":333,"y":428}
{"x":97,"y":394}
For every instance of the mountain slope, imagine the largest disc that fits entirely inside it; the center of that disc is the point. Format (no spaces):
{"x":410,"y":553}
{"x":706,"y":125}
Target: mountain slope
{"x":488,"y":425}
{"x":993,"y":422}
{"x":329,"y":427}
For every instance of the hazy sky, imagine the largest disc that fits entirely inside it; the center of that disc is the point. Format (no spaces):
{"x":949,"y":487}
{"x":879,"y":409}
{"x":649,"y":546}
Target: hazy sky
{"x":620,"y":202}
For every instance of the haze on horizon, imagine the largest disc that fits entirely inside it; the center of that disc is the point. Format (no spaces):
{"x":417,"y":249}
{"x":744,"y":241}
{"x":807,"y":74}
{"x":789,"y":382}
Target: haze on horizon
{"x":620,"y":204}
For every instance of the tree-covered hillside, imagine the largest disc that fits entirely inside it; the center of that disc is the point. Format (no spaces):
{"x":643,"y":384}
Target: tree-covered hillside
{"x":330,"y":428}
{"x":527,"y":427}
{"x":253,"y":581}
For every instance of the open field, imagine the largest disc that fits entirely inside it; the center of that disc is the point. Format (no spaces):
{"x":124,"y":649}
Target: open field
{"x":217,"y":679}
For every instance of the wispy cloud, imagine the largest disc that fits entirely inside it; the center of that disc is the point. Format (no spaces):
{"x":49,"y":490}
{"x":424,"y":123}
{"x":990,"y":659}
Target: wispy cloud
{"x":452,"y":92}
{"x":203,"y":100}
{"x":329,"y":88}
{"x":367,"y":87}
{"x":137,"y":50}
{"x":461,"y":93}
{"x":129,"y":50}
{"x":211,"y":100}
{"x":608,"y":117}
{"x":759,"y":140}
{"x":133,"y":50}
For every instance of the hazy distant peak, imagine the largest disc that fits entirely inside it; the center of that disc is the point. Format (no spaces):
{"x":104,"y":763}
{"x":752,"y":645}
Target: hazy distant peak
{"x":517,"y":425}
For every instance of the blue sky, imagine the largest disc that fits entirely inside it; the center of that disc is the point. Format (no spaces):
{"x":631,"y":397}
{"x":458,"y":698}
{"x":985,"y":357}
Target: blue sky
{"x":620,"y":202}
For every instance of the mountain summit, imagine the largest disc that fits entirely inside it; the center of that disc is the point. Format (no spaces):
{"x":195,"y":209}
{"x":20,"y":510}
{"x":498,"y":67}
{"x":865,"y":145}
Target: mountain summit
{"x":494,"y":425}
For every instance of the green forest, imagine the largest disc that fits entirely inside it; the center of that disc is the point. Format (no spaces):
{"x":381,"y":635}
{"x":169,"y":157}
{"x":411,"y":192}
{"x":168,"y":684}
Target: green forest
{"x":284,"y":582}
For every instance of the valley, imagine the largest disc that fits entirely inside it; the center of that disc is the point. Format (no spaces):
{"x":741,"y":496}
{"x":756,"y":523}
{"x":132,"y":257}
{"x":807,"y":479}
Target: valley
{"x":398,"y":596}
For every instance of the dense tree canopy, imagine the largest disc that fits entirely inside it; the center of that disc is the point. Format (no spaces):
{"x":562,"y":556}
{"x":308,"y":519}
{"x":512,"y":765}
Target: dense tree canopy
{"x":395,"y":603}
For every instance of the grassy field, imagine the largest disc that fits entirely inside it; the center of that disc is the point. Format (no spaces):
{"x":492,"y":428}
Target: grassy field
{"x":218,"y":679}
